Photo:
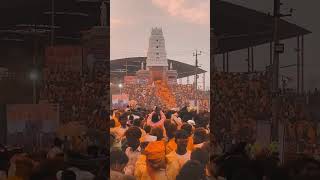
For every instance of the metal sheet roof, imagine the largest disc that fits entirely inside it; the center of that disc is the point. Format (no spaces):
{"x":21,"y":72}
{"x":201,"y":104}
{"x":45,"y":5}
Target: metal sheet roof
{"x":118,"y":67}
{"x":18,"y":19}
{"x":238,"y":27}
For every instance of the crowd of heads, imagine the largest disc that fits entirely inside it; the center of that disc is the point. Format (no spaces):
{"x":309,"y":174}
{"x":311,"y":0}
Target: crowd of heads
{"x":147,"y":95}
{"x":243,"y":99}
{"x":159,"y":144}
{"x":166,"y":145}
{"x":239,"y":100}
{"x":60,"y":162}
{"x":81,"y":97}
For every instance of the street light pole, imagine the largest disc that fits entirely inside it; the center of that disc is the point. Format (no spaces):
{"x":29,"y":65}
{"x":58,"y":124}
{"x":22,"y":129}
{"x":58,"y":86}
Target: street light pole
{"x":120,"y":88}
{"x":196,"y":54}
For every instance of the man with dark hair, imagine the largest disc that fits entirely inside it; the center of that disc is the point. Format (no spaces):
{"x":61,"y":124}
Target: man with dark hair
{"x":191,"y":170}
{"x":177,"y":158}
{"x":133,"y":132}
{"x":171,"y":143}
{"x":147,"y":129}
{"x":158,"y":132}
{"x":188,"y":128}
{"x":202,"y":156}
{"x":132,"y":150}
{"x":200,"y":136}
{"x":137,"y":123}
{"x":119,"y":131}
{"x":118,"y":161}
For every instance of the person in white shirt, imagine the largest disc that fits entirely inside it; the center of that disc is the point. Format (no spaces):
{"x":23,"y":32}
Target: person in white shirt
{"x":56,"y":150}
{"x":133,"y":151}
{"x":118,"y":161}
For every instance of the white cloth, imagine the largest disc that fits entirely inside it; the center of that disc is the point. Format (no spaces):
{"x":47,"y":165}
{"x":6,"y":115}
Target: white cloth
{"x":133,"y":157}
{"x":150,"y":138}
{"x":191,"y":122}
{"x":198,"y":145}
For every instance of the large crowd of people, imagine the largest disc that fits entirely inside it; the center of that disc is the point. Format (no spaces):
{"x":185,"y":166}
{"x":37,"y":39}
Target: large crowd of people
{"x":177,"y":95}
{"x":144,"y":94}
{"x":242,"y":99}
{"x":63,"y":161}
{"x":159,"y":144}
{"x":239,"y":100}
{"x":163,"y":137}
{"x":178,"y":145}
{"x":80,"y":97}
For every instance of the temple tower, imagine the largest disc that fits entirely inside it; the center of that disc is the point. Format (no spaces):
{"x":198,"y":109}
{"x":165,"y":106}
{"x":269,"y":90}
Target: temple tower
{"x":157,"y":55}
{"x":157,"y":61}
{"x":157,"y":65}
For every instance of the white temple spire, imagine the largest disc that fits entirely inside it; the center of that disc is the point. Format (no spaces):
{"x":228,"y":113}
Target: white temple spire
{"x":156,"y":55}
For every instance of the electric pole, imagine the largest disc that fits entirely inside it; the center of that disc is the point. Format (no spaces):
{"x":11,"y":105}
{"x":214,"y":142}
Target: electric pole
{"x":276,"y":16}
{"x":196,"y":54}
{"x":278,"y":126}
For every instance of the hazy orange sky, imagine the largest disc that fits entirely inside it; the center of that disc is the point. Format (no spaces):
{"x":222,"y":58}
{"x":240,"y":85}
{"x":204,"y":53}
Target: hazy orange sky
{"x":185,"y":24}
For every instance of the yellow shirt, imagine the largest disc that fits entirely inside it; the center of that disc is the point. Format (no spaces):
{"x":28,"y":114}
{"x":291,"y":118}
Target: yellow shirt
{"x":117,"y":122}
{"x":175,"y":163}
{"x":141,"y":172}
{"x":171,"y":146}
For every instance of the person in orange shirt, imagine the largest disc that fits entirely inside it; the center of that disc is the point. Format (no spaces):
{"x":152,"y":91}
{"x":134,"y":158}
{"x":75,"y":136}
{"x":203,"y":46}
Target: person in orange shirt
{"x":170,"y":132}
{"x":151,"y":165}
{"x":120,"y":130}
{"x":176,"y":159}
{"x":116,"y":115}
